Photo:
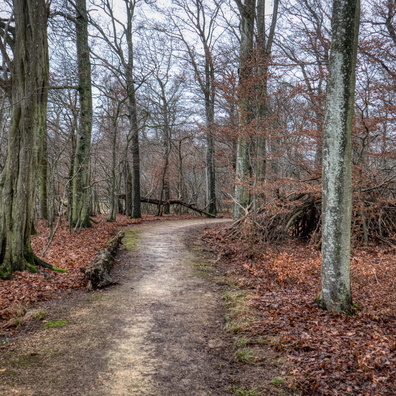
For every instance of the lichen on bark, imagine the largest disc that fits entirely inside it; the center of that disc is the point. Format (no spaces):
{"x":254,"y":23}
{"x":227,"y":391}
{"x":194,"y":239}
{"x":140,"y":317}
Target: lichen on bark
{"x":337,"y":163}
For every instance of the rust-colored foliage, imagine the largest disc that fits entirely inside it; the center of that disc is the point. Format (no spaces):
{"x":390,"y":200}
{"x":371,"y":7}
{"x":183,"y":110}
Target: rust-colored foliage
{"x":330,"y":353}
{"x":69,"y":250}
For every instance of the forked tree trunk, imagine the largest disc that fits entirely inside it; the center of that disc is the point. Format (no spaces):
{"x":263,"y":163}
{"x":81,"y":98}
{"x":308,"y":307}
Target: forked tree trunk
{"x":337,"y":163}
{"x":29,"y":105}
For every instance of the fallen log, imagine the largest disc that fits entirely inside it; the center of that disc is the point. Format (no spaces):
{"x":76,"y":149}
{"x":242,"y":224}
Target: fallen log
{"x":97,"y":273}
{"x":176,"y":202}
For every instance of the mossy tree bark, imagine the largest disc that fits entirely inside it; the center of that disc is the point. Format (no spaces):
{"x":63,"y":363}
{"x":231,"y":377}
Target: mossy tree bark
{"x":80,"y":182}
{"x":337,"y":163}
{"x":29,"y":70}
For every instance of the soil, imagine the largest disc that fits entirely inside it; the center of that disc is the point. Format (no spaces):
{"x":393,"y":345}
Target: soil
{"x":160,"y":331}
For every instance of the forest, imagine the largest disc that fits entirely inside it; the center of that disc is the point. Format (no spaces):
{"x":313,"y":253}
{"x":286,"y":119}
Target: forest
{"x":278,"y":114}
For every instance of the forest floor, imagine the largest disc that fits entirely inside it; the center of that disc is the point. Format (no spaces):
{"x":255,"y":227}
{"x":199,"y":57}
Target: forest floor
{"x":194,"y":316}
{"x":327,"y":353}
{"x":160,"y":331}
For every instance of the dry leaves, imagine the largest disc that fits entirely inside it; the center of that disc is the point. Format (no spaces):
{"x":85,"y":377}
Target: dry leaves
{"x":331,"y":354}
{"x":69,"y":250}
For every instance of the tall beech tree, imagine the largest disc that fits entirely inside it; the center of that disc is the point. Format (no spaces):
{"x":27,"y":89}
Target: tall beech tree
{"x":264,"y":44}
{"x":337,"y":162}
{"x":247,"y":21}
{"x":80,"y":183}
{"x":29,"y":70}
{"x":132,"y":111}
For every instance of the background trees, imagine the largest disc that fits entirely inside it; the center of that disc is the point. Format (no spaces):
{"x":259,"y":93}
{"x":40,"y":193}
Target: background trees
{"x":212,"y":103}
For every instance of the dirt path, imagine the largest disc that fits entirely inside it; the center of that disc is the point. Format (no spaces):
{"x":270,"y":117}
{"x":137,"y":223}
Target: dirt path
{"x":158,"y":333}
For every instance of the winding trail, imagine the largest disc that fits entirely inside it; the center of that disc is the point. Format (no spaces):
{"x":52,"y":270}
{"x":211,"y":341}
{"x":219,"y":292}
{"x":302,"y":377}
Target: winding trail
{"x":158,"y":333}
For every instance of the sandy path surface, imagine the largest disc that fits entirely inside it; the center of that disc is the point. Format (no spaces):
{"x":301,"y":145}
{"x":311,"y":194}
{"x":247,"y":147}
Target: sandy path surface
{"x":158,"y":333}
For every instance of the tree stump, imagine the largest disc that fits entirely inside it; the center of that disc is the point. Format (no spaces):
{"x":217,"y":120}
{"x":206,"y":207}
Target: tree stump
{"x":97,"y":272}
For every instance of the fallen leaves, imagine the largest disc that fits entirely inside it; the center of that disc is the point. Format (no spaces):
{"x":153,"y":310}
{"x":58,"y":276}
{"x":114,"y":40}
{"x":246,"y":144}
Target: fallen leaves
{"x":69,"y":250}
{"x":331,"y":354}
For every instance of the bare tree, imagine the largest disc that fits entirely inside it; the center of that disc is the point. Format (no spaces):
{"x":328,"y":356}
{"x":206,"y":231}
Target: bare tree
{"x":200,"y":17}
{"x":118,"y":37}
{"x":164,"y":90}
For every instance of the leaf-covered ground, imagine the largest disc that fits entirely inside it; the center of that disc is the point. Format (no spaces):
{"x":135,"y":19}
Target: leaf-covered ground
{"x":69,"y":250}
{"x":330,"y":354}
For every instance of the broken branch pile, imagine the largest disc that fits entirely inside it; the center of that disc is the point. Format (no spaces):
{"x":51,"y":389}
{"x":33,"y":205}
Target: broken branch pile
{"x":299,"y":216}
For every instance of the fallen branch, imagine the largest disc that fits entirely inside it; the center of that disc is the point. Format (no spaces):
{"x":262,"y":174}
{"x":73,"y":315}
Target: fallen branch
{"x":97,"y":272}
{"x":176,"y":202}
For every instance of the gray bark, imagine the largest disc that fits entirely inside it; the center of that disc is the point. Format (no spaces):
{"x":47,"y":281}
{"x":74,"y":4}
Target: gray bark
{"x":264,"y":47}
{"x":44,"y":181}
{"x":337,"y":164}
{"x":242,"y":176}
{"x":81,"y":191}
{"x":165,"y":190}
{"x":133,"y":117}
{"x":114,"y":183}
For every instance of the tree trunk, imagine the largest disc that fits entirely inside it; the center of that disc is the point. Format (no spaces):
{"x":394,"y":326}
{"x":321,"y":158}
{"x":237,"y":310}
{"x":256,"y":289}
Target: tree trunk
{"x":128,"y":189}
{"x":114,"y":177}
{"x":242,"y":177}
{"x":210,"y":173}
{"x":29,"y":105}
{"x":80,"y":204}
{"x":210,"y":95}
{"x":165,"y":190}
{"x":337,"y":163}
{"x":167,"y":139}
{"x":264,"y":46}
{"x":132,"y":113}
{"x":176,"y":202}
{"x":135,"y":149}
{"x":44,"y":180}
